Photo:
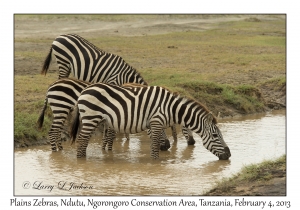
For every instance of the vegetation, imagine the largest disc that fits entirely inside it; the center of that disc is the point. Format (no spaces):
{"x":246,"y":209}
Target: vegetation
{"x":255,"y":173}
{"x":222,"y":67}
{"x":103,"y":17}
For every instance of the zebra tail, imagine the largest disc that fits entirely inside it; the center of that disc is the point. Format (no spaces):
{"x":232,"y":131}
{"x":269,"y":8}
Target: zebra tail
{"x":74,"y":124}
{"x":40,"y":121}
{"x":47,"y":62}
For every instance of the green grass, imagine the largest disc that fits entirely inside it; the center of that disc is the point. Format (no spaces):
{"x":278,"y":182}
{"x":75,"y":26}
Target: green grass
{"x":197,"y":52}
{"x":212,"y":66}
{"x":113,"y":17}
{"x":29,"y":95}
{"x":245,"y":98}
{"x":277,"y":81}
{"x":25,"y":126}
{"x":226,"y":49}
{"x":30,"y":54}
{"x":261,"y":172}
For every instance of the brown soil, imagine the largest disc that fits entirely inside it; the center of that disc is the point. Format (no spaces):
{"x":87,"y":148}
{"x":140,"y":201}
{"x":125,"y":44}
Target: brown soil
{"x":276,"y":186}
{"x":48,"y":29}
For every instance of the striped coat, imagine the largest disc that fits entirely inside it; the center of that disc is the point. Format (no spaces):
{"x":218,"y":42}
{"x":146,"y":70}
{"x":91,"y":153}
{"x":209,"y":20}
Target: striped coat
{"x":134,"y":109}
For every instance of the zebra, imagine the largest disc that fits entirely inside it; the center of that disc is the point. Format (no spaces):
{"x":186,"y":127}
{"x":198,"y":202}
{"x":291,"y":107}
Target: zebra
{"x":62,"y":96}
{"x":87,"y":62}
{"x":134,"y":109}
{"x":165,"y":144}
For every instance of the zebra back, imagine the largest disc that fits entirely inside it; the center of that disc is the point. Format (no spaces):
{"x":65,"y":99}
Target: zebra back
{"x":89,"y":63}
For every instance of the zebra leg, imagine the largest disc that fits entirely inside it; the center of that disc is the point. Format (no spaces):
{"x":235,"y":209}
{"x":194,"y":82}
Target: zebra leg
{"x":188,"y":136}
{"x":53,"y":135}
{"x":60,"y":147}
{"x":82,"y":145}
{"x":60,"y":121}
{"x":59,"y":141}
{"x":59,"y":118}
{"x":88,"y":127}
{"x":111,"y":135}
{"x":83,"y":139}
{"x":127,"y":136}
{"x":156,"y":129}
{"x":174,"y":132}
{"x":164,"y":141}
{"x":56,"y":129}
{"x":104,"y":139}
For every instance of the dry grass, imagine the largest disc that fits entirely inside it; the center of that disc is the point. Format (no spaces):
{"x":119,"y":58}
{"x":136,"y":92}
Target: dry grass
{"x":234,"y":54}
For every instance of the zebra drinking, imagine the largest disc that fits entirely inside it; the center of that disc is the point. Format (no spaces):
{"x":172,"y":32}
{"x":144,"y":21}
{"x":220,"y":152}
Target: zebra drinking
{"x":62,"y":96}
{"x":132,"y":110}
{"x":87,"y":62}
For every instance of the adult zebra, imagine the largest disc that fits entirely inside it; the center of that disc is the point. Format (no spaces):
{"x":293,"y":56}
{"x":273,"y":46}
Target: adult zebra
{"x":134,"y":109}
{"x":88,"y":63}
{"x":62,"y":96}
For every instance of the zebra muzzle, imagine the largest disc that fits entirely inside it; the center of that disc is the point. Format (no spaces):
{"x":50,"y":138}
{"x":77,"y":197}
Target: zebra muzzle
{"x":226,"y":155}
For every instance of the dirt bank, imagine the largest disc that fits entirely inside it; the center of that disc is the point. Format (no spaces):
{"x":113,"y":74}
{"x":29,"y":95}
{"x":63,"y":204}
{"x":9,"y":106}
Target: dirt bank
{"x":265,"y":179}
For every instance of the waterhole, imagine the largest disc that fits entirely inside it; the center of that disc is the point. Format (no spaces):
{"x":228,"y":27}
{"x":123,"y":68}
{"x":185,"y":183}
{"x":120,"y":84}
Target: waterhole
{"x":129,"y":170}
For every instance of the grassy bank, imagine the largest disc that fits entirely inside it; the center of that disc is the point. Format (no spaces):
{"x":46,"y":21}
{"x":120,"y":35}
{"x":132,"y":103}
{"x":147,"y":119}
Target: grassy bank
{"x":250,"y":177}
{"x":29,"y":95}
{"x":223,"y":67}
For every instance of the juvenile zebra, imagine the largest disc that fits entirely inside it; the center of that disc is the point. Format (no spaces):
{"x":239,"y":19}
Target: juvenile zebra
{"x":62,"y":96}
{"x":132,"y":110}
{"x":87,"y":62}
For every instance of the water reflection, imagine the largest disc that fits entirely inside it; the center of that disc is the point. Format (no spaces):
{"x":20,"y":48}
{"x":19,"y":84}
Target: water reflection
{"x":214,"y":167}
{"x":129,"y":170}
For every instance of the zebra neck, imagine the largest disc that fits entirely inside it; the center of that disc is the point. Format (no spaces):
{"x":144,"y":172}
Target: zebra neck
{"x":189,"y":114}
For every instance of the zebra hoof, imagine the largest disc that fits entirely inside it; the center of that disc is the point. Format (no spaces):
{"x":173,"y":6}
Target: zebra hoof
{"x":191,"y":142}
{"x":166,"y":146}
{"x":80,"y":156}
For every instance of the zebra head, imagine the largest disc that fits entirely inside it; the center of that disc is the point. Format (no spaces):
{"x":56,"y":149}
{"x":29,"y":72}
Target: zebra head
{"x":213,"y":139}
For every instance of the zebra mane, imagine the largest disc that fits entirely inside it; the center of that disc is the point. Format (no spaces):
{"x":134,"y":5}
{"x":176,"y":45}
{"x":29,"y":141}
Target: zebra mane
{"x":87,"y":42}
{"x":183,"y":99}
{"x":188,"y":100}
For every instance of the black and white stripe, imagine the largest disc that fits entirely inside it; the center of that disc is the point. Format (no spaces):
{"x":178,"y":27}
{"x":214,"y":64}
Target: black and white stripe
{"x":62,"y":96}
{"x":87,"y":62}
{"x":134,"y":109}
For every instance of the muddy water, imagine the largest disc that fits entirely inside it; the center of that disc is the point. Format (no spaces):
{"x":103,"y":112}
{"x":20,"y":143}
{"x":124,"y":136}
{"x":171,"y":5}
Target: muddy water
{"x":129,"y":170}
